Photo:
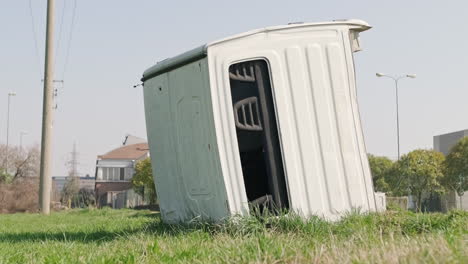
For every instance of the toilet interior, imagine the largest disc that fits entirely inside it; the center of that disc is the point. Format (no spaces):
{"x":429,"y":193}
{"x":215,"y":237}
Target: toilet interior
{"x":257,"y":135}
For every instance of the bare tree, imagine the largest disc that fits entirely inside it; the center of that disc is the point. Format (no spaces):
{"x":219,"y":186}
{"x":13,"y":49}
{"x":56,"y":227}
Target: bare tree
{"x":19,"y":179}
{"x":22,"y":162}
{"x":70,"y":190}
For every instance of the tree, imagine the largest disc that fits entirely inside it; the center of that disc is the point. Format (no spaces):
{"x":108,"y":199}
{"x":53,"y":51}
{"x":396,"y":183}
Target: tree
{"x":420,"y":173}
{"x":4,"y":176}
{"x":381,"y":169}
{"x":84,"y":198}
{"x":456,"y":168}
{"x":21,"y":162}
{"x":143,"y":181}
{"x":70,"y":190}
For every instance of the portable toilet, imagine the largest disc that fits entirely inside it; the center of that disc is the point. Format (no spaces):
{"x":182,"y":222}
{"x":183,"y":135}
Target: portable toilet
{"x":267,"y":114}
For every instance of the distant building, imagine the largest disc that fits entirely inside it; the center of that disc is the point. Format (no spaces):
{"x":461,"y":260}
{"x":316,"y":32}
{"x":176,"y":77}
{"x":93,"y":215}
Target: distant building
{"x":444,"y":144}
{"x":58,"y":182}
{"x":114,"y":171}
{"x":86,"y":182}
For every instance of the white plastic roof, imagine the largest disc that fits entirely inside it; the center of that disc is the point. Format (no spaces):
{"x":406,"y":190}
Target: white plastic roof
{"x":199,"y":52}
{"x":359,"y":25}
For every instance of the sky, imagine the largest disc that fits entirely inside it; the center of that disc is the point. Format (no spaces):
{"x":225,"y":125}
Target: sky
{"x":114,"y":41}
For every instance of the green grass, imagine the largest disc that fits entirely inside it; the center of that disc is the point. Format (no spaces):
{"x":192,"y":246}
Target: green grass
{"x":128,"y":236}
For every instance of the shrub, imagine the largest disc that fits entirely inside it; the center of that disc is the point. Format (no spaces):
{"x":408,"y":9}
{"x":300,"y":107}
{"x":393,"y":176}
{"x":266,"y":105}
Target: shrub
{"x":19,"y":196}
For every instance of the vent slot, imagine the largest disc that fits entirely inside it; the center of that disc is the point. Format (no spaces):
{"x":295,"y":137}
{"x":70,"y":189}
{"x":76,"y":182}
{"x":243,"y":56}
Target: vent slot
{"x":247,"y":114}
{"x":243,"y":72}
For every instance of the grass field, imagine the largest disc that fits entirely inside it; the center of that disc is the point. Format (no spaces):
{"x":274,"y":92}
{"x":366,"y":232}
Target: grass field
{"x":128,"y":236}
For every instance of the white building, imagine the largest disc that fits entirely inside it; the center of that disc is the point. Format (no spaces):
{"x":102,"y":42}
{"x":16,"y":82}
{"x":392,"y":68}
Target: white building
{"x":114,"y":171}
{"x":444,"y":143}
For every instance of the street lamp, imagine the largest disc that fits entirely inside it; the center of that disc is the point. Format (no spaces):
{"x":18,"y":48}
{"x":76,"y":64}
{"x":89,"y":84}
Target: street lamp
{"x":396,"y":79}
{"x":10,"y":94}
{"x":22,"y":133}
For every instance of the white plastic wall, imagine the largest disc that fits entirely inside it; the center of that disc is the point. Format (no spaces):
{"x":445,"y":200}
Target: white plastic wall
{"x":314,"y":91}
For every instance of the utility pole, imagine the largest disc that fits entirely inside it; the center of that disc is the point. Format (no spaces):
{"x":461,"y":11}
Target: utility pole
{"x":8,"y":131}
{"x":47,"y":114}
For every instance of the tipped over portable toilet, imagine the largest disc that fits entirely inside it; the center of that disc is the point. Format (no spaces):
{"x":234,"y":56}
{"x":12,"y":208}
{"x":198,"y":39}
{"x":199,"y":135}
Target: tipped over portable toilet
{"x":267,"y":113}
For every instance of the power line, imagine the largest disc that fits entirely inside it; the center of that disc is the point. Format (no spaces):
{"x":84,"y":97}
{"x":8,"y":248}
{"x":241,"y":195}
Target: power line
{"x":70,"y":37}
{"x":36,"y":46}
{"x":64,"y":6}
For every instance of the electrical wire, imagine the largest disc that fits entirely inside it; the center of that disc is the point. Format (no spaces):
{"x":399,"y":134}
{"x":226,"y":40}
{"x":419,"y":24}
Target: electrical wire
{"x":60,"y":31}
{"x":70,"y":37}
{"x":36,"y":46}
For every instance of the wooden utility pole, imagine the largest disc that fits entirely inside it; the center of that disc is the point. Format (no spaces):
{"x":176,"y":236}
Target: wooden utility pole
{"x":47,"y":114}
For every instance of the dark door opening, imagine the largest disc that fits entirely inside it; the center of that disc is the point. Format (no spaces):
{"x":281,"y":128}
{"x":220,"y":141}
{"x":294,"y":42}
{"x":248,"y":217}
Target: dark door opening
{"x":257,"y":135}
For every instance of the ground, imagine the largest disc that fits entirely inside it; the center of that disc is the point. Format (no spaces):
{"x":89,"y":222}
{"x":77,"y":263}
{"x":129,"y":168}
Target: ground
{"x":129,"y":236}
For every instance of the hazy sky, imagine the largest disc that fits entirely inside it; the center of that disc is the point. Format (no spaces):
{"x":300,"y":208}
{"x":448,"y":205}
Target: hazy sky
{"x":114,"y":41}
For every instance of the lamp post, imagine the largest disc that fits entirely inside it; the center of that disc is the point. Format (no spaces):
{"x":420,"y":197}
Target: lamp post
{"x":10,"y":94}
{"x":396,"y":79}
{"x":22,"y":133}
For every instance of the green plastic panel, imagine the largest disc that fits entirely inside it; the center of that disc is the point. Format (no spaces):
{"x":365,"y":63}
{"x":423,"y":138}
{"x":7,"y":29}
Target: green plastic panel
{"x":183,"y":147}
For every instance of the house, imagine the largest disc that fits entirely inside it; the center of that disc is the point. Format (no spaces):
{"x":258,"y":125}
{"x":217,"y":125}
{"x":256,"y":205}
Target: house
{"x":114,"y":171}
{"x":444,"y":144}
